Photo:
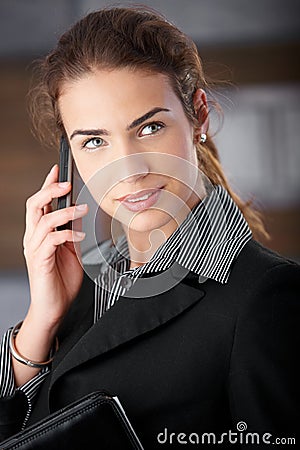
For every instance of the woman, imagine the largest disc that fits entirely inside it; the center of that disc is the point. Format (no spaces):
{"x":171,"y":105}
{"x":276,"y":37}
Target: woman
{"x":214,"y":348}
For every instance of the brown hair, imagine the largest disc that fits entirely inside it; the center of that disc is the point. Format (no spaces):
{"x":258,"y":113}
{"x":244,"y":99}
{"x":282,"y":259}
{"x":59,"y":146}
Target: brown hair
{"x":136,"y":38}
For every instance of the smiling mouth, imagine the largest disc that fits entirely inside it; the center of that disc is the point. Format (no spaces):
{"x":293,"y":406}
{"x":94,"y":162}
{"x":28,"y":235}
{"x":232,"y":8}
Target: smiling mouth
{"x":142,"y":199}
{"x":139,"y":196}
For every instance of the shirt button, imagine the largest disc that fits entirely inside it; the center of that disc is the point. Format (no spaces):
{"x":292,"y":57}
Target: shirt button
{"x":126,"y":282}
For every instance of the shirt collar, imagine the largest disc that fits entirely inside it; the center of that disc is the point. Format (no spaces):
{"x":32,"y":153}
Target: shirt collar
{"x":206,"y":242}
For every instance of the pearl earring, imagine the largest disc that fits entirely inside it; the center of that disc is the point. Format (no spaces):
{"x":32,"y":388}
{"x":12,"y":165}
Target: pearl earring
{"x":203,"y":138}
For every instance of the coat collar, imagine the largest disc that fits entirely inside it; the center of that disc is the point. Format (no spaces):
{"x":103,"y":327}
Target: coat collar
{"x":126,"y":320}
{"x":206,"y":242}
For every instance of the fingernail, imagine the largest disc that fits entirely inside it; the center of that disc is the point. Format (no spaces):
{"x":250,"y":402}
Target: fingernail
{"x":52,"y":168}
{"x":64,"y":184}
{"x":79,"y":234}
{"x":81,"y":207}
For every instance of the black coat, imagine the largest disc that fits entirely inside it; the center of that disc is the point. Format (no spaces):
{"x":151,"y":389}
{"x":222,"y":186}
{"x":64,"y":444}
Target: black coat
{"x":198,"y":358}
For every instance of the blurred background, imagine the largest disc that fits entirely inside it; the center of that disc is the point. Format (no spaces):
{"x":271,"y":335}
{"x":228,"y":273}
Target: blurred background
{"x":253,"y":45}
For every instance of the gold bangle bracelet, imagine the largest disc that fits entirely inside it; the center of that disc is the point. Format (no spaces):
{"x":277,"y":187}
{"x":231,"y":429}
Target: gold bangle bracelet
{"x":22,"y":359}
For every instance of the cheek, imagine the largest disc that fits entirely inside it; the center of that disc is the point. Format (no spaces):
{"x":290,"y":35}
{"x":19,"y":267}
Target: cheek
{"x":92,"y":180}
{"x":107,"y":206}
{"x":181,"y":144}
{"x":81,"y":166}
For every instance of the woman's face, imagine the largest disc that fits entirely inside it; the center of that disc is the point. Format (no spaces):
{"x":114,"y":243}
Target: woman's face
{"x":114,"y":114}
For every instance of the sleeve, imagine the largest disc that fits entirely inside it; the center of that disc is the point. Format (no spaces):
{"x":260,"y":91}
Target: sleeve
{"x":263,"y":382}
{"x":15,"y":403}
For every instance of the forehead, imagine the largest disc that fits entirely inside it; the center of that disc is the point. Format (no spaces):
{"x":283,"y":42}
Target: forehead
{"x":122,"y":81}
{"x":116,"y":92}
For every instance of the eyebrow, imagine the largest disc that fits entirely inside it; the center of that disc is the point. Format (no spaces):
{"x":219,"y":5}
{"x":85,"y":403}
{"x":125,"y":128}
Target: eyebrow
{"x":135,"y":123}
{"x":146,"y":116}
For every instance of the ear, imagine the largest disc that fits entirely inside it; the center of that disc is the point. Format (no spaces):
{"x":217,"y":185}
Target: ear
{"x":200,"y":106}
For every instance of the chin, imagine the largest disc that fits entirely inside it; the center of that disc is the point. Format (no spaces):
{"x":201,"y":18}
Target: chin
{"x":150,"y":219}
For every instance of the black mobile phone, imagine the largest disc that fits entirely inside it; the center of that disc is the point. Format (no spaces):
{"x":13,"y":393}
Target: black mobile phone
{"x":65,"y":174}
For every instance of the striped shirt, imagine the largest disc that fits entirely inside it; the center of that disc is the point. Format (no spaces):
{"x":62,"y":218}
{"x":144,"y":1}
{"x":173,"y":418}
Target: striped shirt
{"x":206,"y":243}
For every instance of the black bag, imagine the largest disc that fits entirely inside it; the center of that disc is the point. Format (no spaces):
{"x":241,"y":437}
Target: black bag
{"x":95,"y":421}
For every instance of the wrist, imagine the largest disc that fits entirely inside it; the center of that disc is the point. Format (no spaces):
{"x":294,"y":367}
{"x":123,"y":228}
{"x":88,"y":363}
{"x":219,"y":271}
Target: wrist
{"x":42,"y":322}
{"x":34,"y":339}
{"x":24,"y":359}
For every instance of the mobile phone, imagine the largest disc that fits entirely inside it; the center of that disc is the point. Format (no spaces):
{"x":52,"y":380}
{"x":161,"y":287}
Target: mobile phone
{"x":65,"y":174}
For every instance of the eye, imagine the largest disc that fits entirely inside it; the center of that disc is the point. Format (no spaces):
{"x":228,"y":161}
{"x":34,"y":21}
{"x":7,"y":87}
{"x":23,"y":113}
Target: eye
{"x":152,"y":128}
{"x":93,"y":144}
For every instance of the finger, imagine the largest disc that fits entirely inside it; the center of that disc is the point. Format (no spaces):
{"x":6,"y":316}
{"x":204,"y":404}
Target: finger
{"x":74,"y":247}
{"x":52,"y":176}
{"x":48,"y":209}
{"x":56,"y":239}
{"x":50,"y":222}
{"x":35,"y":205}
{"x":60,"y":237}
{"x":77,"y":226}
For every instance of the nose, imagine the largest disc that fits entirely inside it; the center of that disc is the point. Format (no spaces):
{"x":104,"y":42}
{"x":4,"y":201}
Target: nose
{"x":135,"y":178}
{"x":134,"y":167}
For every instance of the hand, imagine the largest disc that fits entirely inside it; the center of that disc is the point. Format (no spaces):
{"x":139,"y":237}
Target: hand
{"x":55,"y":273}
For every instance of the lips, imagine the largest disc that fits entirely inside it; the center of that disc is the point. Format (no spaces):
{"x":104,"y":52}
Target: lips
{"x":141,"y":200}
{"x":138,"y":195}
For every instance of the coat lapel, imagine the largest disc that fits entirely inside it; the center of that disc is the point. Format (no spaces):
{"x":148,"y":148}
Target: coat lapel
{"x":129,"y":318}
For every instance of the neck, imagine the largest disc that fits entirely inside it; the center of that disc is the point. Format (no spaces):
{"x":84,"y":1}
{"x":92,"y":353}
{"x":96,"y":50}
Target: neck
{"x":143,"y":244}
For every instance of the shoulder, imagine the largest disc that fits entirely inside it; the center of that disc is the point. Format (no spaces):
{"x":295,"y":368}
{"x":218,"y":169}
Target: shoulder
{"x":262,"y":371}
{"x":261,"y":283}
{"x":269,"y":283}
{"x":264,"y":257}
{"x":256,"y":262}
